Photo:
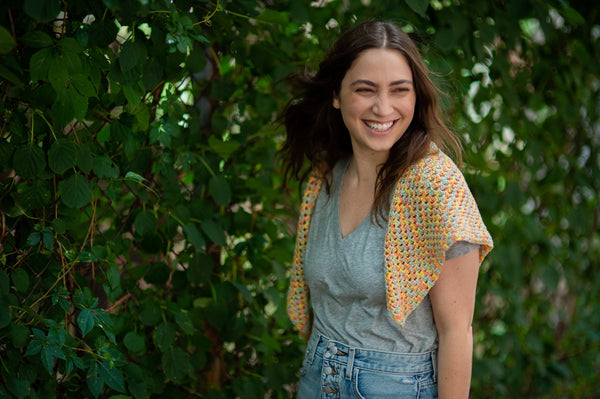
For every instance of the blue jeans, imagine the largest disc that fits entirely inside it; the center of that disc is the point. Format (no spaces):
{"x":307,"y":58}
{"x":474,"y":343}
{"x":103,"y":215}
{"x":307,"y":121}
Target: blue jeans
{"x":332,"y":370}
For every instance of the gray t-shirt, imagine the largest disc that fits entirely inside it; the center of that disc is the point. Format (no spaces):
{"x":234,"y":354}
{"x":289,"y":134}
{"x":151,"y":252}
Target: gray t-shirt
{"x":345,"y":277}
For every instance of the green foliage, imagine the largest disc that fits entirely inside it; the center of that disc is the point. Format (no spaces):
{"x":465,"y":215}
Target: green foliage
{"x":144,"y":232}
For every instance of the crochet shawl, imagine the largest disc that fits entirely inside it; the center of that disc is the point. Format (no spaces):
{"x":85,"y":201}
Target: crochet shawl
{"x":432,"y":207}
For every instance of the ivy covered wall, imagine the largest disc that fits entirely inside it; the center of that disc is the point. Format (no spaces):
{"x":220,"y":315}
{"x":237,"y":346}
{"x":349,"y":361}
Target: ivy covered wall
{"x":145,"y":237}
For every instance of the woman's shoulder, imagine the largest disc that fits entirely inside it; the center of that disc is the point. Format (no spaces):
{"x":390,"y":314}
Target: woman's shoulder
{"x":436,"y":169}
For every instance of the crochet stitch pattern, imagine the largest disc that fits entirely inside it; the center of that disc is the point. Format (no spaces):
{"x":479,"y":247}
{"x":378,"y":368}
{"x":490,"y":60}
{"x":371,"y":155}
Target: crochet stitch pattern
{"x":297,"y":301}
{"x":432,"y":208}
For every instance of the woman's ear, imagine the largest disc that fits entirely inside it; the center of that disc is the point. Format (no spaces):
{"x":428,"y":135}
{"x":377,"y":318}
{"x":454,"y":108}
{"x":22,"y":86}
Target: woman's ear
{"x":336,"y":101}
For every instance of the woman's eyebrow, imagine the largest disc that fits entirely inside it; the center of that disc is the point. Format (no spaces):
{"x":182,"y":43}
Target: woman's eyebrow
{"x":363,"y":82}
{"x":373,"y":84}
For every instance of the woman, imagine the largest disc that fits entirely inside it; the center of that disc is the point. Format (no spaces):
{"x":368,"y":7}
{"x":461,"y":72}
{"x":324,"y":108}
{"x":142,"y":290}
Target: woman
{"x":389,"y":239}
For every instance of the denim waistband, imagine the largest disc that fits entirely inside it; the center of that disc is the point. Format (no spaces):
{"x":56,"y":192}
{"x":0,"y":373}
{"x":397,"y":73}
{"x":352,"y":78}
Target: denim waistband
{"x":370,"y":359}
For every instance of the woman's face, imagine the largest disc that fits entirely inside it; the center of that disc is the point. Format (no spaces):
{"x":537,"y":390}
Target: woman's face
{"x":377,"y":101}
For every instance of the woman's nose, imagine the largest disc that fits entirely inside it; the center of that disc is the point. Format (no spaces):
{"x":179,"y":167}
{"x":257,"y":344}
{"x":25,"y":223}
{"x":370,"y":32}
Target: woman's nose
{"x":383,"y":105}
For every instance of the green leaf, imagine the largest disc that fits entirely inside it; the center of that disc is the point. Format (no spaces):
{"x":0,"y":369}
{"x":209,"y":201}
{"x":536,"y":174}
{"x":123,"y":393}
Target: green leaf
{"x":20,"y":280}
{"x":119,"y":130}
{"x":5,"y":317}
{"x":7,"y":43}
{"x":223,"y":88}
{"x":418,"y":6}
{"x":104,"y":321}
{"x":184,"y":321}
{"x":223,"y":148}
{"x":102,"y":31}
{"x":265,"y":105}
{"x":39,"y":63}
{"x":29,"y":161}
{"x":42,"y":10}
{"x":194,"y":236}
{"x":34,"y":238}
{"x":10,"y":76}
{"x":446,"y":39}
{"x":163,"y":133}
{"x":59,"y":226}
{"x":35,"y":195}
{"x":19,"y":335}
{"x":69,"y":105}
{"x":145,"y":223}
{"x":95,"y":383}
{"x":219,"y":189}
{"x":20,"y":387}
{"x":196,"y":61}
{"x":6,"y":151}
{"x":572,"y":16}
{"x":70,"y":48}
{"x":175,"y":363}
{"x":104,"y":134}
{"x":134,"y":176}
{"x":214,"y":232}
{"x":76,"y":191}
{"x":130,"y":55}
{"x":47,"y":359}
{"x":200,"y":269}
{"x":134,"y":342}
{"x":113,"y":277}
{"x":158,"y":274}
{"x":83,"y":85}
{"x":85,"y":321}
{"x":274,"y":17}
{"x":164,"y":336}
{"x":4,"y":282}
{"x":48,"y":238}
{"x":112,"y":376}
{"x":105,"y":168}
{"x":150,"y":313}
{"x":36,"y":39}
{"x":133,"y":95}
{"x":152,"y":75}
{"x":62,"y":155}
{"x":58,"y":76}
{"x":34,"y":347}
{"x":85,"y":160}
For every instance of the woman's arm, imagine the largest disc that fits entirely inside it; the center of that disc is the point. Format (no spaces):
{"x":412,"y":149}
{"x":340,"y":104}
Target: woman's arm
{"x":453,"y":302}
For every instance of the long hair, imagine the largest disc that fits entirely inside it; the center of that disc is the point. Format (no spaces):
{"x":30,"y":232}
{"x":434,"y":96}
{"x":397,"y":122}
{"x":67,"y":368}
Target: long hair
{"x":316,"y":131}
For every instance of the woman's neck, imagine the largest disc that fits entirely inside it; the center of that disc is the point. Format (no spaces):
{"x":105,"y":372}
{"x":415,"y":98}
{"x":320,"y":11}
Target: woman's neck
{"x":362,"y":171}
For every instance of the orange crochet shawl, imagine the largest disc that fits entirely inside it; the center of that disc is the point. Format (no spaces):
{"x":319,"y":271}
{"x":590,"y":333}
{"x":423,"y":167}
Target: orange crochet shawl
{"x":432,"y":208}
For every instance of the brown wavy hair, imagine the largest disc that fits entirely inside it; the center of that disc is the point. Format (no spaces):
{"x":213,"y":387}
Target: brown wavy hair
{"x":316,"y":131}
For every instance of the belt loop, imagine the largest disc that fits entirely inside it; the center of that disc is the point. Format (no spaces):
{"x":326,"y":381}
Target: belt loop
{"x":315,"y":338}
{"x":350,"y":366}
{"x":434,"y":362}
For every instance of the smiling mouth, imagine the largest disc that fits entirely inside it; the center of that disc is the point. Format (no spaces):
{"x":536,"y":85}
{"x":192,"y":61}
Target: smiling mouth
{"x":380,"y":127}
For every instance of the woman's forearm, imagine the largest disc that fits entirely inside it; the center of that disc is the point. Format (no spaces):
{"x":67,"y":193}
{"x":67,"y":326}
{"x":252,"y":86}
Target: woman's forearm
{"x":455,"y":358}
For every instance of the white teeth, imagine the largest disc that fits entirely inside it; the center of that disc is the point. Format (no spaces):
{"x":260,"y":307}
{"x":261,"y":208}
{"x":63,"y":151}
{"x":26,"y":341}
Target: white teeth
{"x":379,"y":126}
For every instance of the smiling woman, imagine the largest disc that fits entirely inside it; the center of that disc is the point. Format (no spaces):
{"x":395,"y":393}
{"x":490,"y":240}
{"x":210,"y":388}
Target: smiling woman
{"x":377,"y":102}
{"x":367,"y":286}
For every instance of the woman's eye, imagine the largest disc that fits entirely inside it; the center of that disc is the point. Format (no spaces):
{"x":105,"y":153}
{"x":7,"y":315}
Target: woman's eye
{"x":364,"y":90}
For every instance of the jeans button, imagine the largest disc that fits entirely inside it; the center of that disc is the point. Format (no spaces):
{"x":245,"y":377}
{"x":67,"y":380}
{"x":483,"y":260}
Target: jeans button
{"x":329,"y":390}
{"x":328,"y":370}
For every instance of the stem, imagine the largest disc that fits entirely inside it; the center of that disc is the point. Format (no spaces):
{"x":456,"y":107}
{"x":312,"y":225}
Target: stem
{"x":209,"y":17}
{"x":206,"y":165}
{"x":40,"y":113}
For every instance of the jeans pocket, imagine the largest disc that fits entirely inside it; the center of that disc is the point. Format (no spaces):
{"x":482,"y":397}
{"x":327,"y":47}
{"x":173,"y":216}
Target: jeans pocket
{"x":307,"y":358}
{"x":427,"y":386}
{"x":379,"y":384}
